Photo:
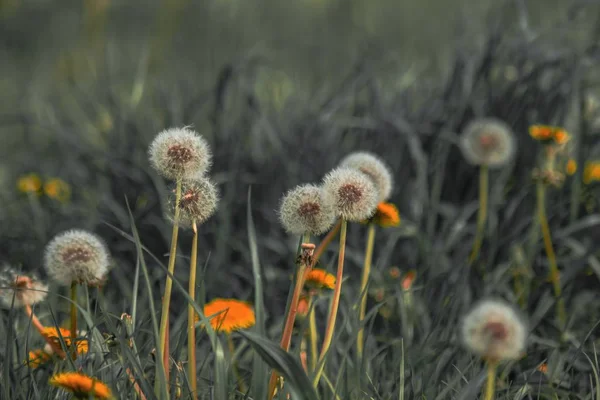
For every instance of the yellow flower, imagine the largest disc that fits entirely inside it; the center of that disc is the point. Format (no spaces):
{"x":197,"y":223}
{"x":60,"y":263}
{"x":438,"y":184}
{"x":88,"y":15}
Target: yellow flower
{"x":229,"y":315}
{"x":53,"y":333}
{"x":30,"y":183}
{"x":545,"y":133}
{"x":591,"y":173}
{"x":319,"y":279}
{"x":81,"y":385}
{"x":57,"y":189}
{"x":386,"y":215}
{"x":571,"y":167}
{"x":37,"y":358}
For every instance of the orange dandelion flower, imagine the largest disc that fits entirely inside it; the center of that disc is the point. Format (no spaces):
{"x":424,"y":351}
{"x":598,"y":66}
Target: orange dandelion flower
{"x":541,"y":132}
{"x":386,"y":215}
{"x":571,"y":167}
{"x":561,"y":136}
{"x":37,"y":358}
{"x":229,"y":315}
{"x":30,"y":183}
{"x":394,"y":272}
{"x":57,"y":189}
{"x":543,"y":368}
{"x":303,"y":307}
{"x":53,"y":334}
{"x":81,"y":385}
{"x":318,"y":278}
{"x":408,"y":280}
{"x":591,"y":172}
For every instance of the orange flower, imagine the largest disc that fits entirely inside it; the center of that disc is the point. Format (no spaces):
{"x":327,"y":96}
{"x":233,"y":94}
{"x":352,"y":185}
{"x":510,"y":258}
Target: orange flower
{"x":37,"y":358}
{"x":571,"y":167}
{"x":545,"y":133}
{"x":319,"y":279}
{"x":30,"y":183}
{"x":394,"y":272}
{"x":591,"y":172}
{"x":81,"y":385}
{"x":229,"y":315}
{"x":303,"y":306}
{"x":543,"y":368}
{"x":386,"y":215}
{"x":57,"y":189}
{"x":408,"y":280}
{"x":53,"y":333}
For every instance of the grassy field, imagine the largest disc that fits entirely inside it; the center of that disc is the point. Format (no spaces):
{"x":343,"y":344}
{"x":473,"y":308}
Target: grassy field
{"x":282,"y":92}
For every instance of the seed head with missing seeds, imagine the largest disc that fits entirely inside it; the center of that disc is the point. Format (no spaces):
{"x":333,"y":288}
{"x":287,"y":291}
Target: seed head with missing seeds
{"x":306,"y":209}
{"x":180,"y":153}
{"x":494,"y":331}
{"x":354,"y":194}
{"x":25,"y":289}
{"x":199,"y":198}
{"x":488,"y":142}
{"x":76,"y":255}
{"x":372,"y":166}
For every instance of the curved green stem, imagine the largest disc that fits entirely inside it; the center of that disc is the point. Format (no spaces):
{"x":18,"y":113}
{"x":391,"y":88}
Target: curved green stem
{"x":554,"y":273}
{"x":335,"y":302}
{"x":312,"y":323}
{"x":363,"y":287}
{"x":482,"y":213}
{"x":191,"y":315}
{"x":241,"y":384}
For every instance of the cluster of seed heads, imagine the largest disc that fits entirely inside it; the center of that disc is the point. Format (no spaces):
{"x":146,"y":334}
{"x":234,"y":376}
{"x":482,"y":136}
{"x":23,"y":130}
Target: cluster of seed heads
{"x":488,"y":142}
{"x":76,"y":256}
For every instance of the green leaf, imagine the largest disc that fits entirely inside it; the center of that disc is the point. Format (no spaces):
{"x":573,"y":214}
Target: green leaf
{"x":300,"y":386}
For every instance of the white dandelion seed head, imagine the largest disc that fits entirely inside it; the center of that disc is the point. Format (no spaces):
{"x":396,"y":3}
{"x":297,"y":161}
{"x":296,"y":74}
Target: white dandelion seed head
{"x":372,"y":166}
{"x":307,"y":209}
{"x":488,"y":142}
{"x":199,"y":199}
{"x":180,"y":153}
{"x":76,"y":255}
{"x":353,"y":193}
{"x":25,"y":289}
{"x":495,"y":331}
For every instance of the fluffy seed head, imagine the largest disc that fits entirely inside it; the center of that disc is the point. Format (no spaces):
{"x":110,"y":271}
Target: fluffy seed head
{"x":76,"y":255}
{"x":306,"y":209}
{"x":372,"y":166}
{"x":180,"y":153}
{"x":199,"y":198}
{"x":488,"y":142}
{"x":354,"y":194}
{"x":495,"y":331}
{"x":26,"y":289}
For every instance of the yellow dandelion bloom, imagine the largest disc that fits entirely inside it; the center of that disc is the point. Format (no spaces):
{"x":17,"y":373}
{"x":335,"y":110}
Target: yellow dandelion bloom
{"x":57,"y":189}
{"x":30,"y":183}
{"x":37,"y":358}
{"x":571,"y":167}
{"x":229,"y":315}
{"x":591,"y":173}
{"x":387,"y":215}
{"x":318,"y":278}
{"x":81,"y":385}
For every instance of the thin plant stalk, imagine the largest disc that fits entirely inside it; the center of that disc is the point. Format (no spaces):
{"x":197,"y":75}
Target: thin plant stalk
{"x":554,"y":273}
{"x":288,"y":328}
{"x":335,"y":302}
{"x":241,"y":384}
{"x":325,"y":242}
{"x":312,"y":333}
{"x":166,"y":301}
{"x":482,"y":212}
{"x":192,"y":314}
{"x":490,"y":385}
{"x":363,"y":286}
{"x":40,"y":328}
{"x":74,"y":319}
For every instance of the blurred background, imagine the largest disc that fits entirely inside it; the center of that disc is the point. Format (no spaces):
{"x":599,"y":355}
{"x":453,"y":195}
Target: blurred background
{"x":282,"y":90}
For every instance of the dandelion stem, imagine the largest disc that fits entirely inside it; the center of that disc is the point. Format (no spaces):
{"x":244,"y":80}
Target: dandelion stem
{"x":166,"y":302}
{"x":363,"y":286}
{"x":491,"y":380}
{"x":192,"y":315}
{"x":335,"y":302}
{"x":236,"y":371}
{"x":74,"y":320}
{"x":482,"y":212}
{"x":288,"y":328}
{"x":38,"y":325}
{"x":554,"y":274}
{"x":312,"y":326}
{"x":325,"y":242}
